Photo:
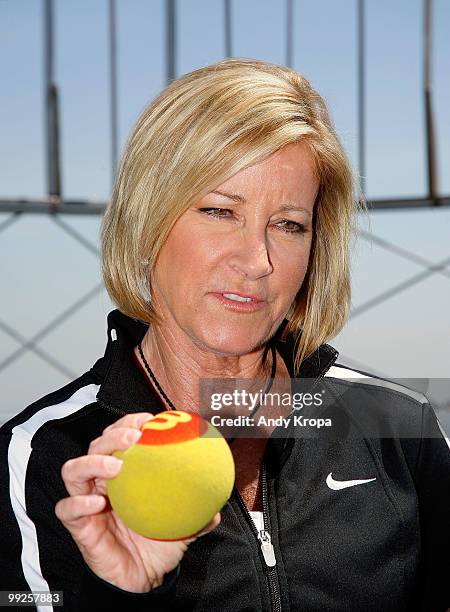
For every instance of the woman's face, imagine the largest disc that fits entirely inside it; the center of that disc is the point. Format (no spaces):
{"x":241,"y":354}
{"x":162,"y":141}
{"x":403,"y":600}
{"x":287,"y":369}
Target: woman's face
{"x":251,"y":237}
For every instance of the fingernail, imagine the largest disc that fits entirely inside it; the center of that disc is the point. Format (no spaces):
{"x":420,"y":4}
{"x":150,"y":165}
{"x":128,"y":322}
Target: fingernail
{"x":133,"y":436}
{"x":113,"y":464}
{"x":145,"y":417}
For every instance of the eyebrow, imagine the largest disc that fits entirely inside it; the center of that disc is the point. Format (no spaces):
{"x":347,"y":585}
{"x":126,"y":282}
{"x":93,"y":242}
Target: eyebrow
{"x":232,"y":196}
{"x":238,"y":198}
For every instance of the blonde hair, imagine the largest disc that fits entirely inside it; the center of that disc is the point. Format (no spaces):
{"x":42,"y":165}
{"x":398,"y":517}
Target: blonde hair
{"x":197,"y":133}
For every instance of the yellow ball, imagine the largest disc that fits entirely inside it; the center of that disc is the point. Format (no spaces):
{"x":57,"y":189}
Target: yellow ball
{"x":174,"y":480}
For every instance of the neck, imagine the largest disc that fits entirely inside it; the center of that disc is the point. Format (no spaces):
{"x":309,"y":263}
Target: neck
{"x":178,"y":365}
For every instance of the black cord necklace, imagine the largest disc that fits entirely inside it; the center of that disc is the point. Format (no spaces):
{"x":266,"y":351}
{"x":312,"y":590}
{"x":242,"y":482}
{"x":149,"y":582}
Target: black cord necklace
{"x":172,"y":407}
{"x":153,"y":377}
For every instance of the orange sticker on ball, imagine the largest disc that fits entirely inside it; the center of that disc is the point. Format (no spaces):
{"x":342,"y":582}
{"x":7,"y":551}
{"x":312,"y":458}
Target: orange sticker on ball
{"x":173,"y":426}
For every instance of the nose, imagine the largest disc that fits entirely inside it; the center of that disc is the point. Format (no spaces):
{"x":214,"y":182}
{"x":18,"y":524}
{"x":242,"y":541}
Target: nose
{"x":250,"y":256}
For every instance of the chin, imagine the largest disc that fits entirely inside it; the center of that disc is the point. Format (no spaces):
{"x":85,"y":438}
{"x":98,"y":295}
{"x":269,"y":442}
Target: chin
{"x":231,"y":342}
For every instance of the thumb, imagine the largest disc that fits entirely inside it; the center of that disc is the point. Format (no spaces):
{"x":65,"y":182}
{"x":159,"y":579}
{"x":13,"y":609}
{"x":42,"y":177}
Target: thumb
{"x":209,"y":527}
{"x":212,"y":525}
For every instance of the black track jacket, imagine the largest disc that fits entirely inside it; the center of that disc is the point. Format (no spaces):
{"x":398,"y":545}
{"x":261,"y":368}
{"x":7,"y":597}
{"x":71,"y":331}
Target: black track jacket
{"x":380,"y":545}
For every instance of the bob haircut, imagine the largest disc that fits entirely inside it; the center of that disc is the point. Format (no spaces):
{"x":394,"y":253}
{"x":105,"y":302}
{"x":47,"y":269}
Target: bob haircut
{"x":197,"y":133}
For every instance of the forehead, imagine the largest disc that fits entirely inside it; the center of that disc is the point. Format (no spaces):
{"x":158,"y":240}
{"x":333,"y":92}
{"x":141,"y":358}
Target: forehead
{"x":296,"y":156}
{"x":289,"y":172}
{"x":293,"y":161}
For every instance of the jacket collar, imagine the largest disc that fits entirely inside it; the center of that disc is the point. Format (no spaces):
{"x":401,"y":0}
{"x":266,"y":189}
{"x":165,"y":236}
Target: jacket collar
{"x":125,"y":388}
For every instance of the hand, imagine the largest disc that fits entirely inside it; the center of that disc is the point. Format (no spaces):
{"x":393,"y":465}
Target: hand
{"x":112,"y":551}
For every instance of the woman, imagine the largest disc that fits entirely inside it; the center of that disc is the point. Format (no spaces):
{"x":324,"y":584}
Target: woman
{"x":225,"y":248}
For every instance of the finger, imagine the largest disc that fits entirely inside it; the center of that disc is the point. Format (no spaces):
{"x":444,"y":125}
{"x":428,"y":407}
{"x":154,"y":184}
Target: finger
{"x":71,"y":510}
{"x":78,"y":473}
{"x":209,"y":527}
{"x":136,"y":420}
{"x":119,"y":438}
{"x":212,"y":525}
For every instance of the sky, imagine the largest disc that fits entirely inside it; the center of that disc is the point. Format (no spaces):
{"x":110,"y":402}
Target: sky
{"x":45,"y":268}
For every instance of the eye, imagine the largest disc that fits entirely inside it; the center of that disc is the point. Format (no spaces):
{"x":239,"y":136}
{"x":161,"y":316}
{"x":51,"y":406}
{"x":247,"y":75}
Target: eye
{"x":218,"y":213}
{"x":292,"y":227}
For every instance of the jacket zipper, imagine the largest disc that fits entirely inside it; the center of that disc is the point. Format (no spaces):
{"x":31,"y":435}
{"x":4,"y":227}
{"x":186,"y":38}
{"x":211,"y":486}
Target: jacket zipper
{"x":264,"y":538}
{"x":262,"y":535}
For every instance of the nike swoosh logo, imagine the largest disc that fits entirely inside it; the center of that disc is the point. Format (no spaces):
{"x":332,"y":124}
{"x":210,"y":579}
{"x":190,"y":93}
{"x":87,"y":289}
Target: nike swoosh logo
{"x":337,"y":485}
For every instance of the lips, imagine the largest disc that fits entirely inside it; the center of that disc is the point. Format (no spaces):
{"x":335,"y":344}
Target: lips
{"x":237,"y":305}
{"x":246,"y":296}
